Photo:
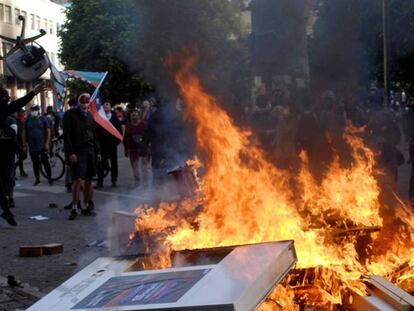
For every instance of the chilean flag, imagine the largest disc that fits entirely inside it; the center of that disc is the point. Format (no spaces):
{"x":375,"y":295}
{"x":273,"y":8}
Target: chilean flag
{"x":99,"y":115}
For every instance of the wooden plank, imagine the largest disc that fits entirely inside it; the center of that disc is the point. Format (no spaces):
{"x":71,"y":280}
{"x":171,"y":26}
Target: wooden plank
{"x":52,"y":249}
{"x":31,"y":250}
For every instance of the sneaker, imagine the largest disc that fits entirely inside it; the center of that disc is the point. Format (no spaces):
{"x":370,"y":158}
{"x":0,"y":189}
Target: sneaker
{"x":36,"y":183}
{"x":9,"y":218}
{"x":89,"y":210}
{"x":114,"y":184}
{"x":69,"y":206}
{"x":73,"y":214}
{"x":50,"y":181}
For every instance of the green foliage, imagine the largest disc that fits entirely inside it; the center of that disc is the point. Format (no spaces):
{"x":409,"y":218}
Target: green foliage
{"x":346,"y":51}
{"x":94,"y":38}
{"x":130,"y":38}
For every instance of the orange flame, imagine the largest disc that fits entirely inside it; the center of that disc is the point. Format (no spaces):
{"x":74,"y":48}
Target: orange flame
{"x":245,"y":199}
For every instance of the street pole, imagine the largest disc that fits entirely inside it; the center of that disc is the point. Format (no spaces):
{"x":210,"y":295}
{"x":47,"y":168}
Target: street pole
{"x":385,"y":42}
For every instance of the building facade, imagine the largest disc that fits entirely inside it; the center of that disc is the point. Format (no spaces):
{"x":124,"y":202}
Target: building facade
{"x":39,"y":14}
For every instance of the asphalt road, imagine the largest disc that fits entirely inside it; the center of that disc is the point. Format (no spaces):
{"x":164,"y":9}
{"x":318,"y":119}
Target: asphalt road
{"x":47,"y":272}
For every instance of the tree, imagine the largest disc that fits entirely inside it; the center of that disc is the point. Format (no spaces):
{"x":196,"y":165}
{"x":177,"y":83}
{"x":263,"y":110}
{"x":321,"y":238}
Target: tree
{"x":346,"y":50}
{"x":131,"y":38}
{"x":94,"y":38}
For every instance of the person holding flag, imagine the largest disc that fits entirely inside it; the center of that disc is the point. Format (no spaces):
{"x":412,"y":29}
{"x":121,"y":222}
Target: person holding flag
{"x":109,"y":146}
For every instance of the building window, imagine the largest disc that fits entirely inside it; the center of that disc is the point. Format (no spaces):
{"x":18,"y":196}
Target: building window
{"x":32,"y":22}
{"x":16,"y":16}
{"x":7,"y":14}
{"x":1,"y":12}
{"x":57,"y":28}
{"x":51,"y":27}
{"x":38,"y":26}
{"x":53,"y":58}
{"x":45,"y":24}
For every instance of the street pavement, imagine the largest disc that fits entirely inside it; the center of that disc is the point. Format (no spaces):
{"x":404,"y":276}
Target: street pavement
{"x":47,"y":272}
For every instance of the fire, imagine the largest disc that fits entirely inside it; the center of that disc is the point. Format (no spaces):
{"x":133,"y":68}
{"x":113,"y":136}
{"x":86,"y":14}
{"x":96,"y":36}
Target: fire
{"x":245,"y":199}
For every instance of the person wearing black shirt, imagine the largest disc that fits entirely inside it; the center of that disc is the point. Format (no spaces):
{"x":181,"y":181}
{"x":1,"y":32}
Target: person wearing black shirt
{"x":82,"y":150}
{"x":8,"y":144}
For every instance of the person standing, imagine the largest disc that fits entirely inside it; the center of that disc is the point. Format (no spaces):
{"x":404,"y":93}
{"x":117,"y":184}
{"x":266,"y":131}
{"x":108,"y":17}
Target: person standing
{"x":82,"y":150}
{"x":36,"y":136}
{"x":54,"y":121}
{"x":7,"y":144}
{"x":136,"y":148}
{"x":109,"y":147}
{"x":21,"y":154}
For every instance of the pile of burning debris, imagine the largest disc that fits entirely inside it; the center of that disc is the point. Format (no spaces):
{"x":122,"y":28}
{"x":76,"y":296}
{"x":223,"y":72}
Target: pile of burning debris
{"x":353,"y":250}
{"x":342,"y":230}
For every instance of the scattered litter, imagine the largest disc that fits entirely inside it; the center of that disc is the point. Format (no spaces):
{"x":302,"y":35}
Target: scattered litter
{"x":39,"y":217}
{"x":99,"y":243}
{"x":71,"y":263}
{"x":53,"y":205}
{"x":13,"y":282}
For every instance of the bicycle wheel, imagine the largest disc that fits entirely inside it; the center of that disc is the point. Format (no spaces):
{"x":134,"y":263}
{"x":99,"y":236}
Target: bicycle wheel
{"x":57,"y":166}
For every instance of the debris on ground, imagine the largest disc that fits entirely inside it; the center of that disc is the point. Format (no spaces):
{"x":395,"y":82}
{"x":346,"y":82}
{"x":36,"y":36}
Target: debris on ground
{"x":11,"y":281}
{"x":40,"y":250}
{"x":39,"y":217}
{"x":99,"y":243}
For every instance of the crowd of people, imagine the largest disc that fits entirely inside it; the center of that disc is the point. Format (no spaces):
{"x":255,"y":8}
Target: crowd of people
{"x":88,"y":147}
{"x":283,"y":125}
{"x":286,"y":126}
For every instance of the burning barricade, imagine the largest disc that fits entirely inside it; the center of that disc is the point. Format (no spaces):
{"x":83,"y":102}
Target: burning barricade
{"x":352,"y":249}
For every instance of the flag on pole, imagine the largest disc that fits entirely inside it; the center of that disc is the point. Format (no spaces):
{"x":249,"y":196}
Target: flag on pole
{"x":58,"y":84}
{"x":92,"y":78}
{"x":99,"y":115}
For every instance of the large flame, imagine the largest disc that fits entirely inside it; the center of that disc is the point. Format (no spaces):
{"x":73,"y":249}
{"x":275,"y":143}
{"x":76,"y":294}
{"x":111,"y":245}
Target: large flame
{"x":245,"y":199}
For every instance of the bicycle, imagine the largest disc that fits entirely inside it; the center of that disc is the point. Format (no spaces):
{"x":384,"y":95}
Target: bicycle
{"x":56,"y":161}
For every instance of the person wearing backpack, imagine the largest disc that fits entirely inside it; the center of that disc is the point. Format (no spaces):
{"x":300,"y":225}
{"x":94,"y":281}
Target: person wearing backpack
{"x":36,"y":137}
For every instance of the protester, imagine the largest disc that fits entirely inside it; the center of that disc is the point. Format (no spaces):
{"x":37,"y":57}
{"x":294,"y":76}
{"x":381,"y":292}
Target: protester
{"x":72,"y":103}
{"x":109,"y":145}
{"x":136,"y":147}
{"x":36,"y":136}
{"x":21,"y":153}
{"x":7,"y":144}
{"x":54,"y":121}
{"x":82,"y":150}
